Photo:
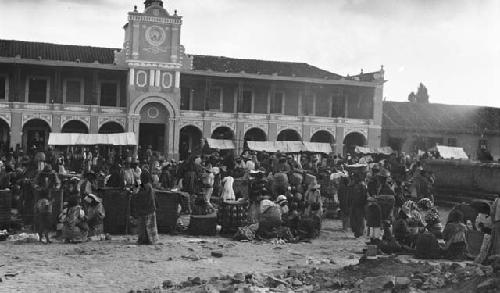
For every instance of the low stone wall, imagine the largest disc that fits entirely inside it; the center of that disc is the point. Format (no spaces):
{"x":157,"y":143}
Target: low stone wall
{"x":465,"y":174}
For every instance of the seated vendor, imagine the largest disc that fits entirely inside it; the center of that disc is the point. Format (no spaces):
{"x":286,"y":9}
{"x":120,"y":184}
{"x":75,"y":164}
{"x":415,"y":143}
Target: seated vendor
{"x":75,"y":228}
{"x":95,"y":215}
{"x":454,"y":235}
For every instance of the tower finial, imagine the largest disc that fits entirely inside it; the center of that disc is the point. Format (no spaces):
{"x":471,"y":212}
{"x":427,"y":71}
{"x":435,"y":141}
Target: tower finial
{"x":148,"y":3}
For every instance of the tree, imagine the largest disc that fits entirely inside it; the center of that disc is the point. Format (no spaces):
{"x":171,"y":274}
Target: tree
{"x":412,"y":98}
{"x":422,"y":97}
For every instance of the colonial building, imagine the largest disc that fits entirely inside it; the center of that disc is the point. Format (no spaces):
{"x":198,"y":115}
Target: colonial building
{"x":409,"y":127}
{"x":172,"y":100}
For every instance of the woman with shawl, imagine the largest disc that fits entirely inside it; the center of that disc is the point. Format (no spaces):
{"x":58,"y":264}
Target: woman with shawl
{"x":144,"y":202}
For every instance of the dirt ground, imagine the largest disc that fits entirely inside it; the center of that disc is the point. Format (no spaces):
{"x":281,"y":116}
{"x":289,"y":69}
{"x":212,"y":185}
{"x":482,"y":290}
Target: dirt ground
{"x":120,"y":266}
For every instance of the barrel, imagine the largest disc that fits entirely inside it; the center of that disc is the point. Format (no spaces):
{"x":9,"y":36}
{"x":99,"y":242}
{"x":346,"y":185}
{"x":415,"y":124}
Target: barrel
{"x":5,"y":206}
{"x":166,"y":213}
{"x":232,"y":215}
{"x":116,"y":204}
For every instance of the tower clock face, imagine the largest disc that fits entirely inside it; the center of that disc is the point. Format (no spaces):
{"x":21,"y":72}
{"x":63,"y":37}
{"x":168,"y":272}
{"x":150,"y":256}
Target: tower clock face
{"x":155,"y":35}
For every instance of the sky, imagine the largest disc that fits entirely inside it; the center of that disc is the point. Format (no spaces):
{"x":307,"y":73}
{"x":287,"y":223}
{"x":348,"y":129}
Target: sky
{"x":452,"y":46}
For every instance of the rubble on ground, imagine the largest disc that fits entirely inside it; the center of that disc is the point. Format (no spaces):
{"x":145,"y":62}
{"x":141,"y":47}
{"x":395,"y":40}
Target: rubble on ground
{"x":387,"y":274}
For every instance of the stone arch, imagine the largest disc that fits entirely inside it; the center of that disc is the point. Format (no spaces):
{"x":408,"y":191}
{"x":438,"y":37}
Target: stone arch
{"x":165,"y":100}
{"x":190,"y":141}
{"x":111,"y":127}
{"x":74,"y":126}
{"x":183,"y":124}
{"x":223,"y":132}
{"x":256,"y":134}
{"x":289,"y":134}
{"x":35,"y":133}
{"x":323,"y":135}
{"x":353,"y":139}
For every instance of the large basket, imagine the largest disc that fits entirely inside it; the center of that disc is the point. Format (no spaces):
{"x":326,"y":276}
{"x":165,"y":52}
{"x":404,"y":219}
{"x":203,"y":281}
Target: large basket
{"x":116,"y":203}
{"x":203,"y":225}
{"x":232,"y":215}
{"x":166,"y":214}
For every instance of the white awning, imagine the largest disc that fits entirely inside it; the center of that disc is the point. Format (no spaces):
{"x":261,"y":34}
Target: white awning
{"x":318,"y":147}
{"x":127,"y":138}
{"x":289,"y":146}
{"x":262,"y":146}
{"x":447,"y":152}
{"x":220,"y":144}
{"x":380,"y":150}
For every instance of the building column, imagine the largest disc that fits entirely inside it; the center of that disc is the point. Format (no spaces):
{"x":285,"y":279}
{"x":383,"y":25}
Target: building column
{"x":339,"y":139}
{"x":94,"y":119}
{"x":239,"y":136}
{"x":56,"y":123}
{"x":374,"y":136}
{"x":272,"y":131}
{"x":174,"y":138}
{"x":16,"y":130}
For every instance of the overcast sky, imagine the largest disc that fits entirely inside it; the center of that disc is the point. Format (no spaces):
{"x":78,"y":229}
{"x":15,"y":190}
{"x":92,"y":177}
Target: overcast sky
{"x":452,"y":46}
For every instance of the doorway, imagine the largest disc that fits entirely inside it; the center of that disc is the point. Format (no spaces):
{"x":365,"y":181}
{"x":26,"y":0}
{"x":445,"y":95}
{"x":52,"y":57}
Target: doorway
{"x":152,"y":134}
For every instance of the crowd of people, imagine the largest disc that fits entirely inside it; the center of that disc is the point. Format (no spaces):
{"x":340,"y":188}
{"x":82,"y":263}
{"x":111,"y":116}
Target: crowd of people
{"x":387,"y":198}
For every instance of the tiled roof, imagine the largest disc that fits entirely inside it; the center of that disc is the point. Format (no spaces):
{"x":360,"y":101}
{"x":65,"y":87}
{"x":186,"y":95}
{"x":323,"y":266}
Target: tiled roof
{"x":47,"y":51}
{"x":440,"y":117}
{"x":87,"y":54}
{"x":232,"y":65}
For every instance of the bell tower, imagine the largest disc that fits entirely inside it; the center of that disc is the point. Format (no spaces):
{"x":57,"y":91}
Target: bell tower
{"x":154,"y":56}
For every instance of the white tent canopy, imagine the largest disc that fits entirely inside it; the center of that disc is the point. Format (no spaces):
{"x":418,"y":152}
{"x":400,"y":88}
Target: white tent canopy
{"x":221,"y":144}
{"x":127,"y":138}
{"x":380,"y":150}
{"x":290,"y":146}
{"x":447,"y":152}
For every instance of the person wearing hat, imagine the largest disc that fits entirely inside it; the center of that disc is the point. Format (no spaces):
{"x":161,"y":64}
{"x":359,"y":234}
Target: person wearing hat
{"x":94,"y":211}
{"x":282,"y":201}
{"x":313,"y":201}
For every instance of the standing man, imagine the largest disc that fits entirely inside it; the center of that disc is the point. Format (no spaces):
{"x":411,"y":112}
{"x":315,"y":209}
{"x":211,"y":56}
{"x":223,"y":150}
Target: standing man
{"x":358,"y":198}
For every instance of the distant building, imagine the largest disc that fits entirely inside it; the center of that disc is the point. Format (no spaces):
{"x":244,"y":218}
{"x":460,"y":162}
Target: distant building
{"x":171,"y":100}
{"x":409,"y":127}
